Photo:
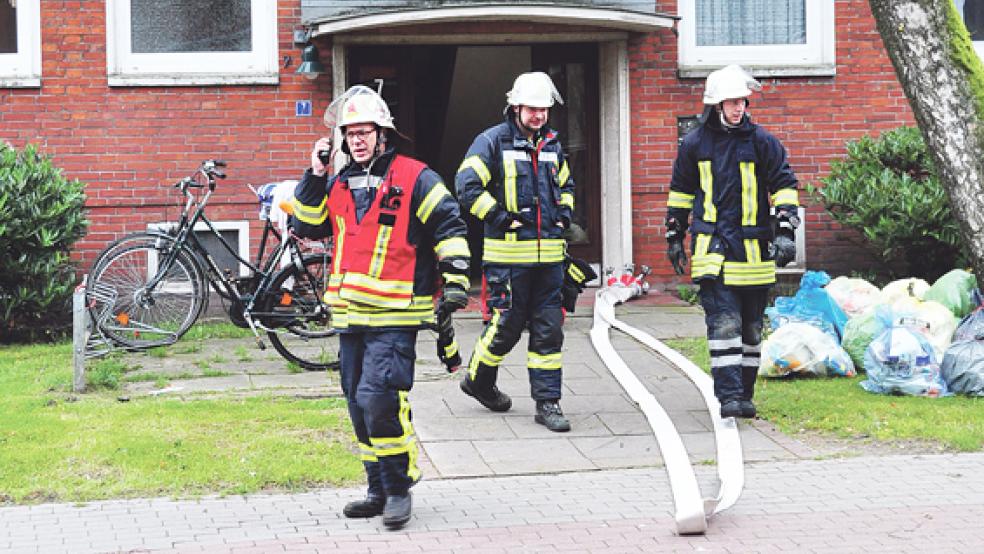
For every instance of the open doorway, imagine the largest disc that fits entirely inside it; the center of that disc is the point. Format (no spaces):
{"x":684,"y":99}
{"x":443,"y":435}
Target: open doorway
{"x":442,"y":96}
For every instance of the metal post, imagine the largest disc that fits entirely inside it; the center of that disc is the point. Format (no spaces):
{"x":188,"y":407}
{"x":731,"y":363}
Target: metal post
{"x":80,"y":337}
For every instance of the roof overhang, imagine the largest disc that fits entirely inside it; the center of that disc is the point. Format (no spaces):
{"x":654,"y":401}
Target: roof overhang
{"x":525,"y":13}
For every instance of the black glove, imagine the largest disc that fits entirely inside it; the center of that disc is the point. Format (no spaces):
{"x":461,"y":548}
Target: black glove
{"x":786,"y":222}
{"x":785,"y":249}
{"x":455,"y":297}
{"x":677,"y":256}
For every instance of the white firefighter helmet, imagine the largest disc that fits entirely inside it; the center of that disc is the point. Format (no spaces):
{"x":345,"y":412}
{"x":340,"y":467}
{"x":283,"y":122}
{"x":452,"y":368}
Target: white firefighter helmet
{"x":359,"y":104}
{"x":729,"y":82}
{"x":535,"y":90}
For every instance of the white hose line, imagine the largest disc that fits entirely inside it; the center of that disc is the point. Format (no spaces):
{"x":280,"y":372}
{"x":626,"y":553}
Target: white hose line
{"x":691,"y":509}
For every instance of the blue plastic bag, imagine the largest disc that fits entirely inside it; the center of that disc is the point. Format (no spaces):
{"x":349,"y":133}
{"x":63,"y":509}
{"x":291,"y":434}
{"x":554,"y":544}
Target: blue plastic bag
{"x":901,"y":361}
{"x":811,"y":304}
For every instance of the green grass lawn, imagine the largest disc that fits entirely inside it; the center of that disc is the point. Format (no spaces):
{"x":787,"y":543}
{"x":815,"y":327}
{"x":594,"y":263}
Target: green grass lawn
{"x":840,"y":407}
{"x":56,"y":446}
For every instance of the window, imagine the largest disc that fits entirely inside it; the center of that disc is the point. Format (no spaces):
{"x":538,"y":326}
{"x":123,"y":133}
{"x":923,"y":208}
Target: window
{"x":972,"y":12}
{"x":20,"y":43}
{"x":768,"y":37}
{"x":235,"y":233}
{"x":191,"y":42}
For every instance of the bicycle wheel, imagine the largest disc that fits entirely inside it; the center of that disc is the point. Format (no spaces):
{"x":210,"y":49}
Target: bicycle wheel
{"x":130,"y":313}
{"x":301,"y":321}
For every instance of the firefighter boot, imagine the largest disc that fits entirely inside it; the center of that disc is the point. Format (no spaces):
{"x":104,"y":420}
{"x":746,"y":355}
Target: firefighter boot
{"x":397,"y":511}
{"x":548,"y":413}
{"x":731,"y":408}
{"x":495,"y":400}
{"x":747,"y":408}
{"x":371,"y":506}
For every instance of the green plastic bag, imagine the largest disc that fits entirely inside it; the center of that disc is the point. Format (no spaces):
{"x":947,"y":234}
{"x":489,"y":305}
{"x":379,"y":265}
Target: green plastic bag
{"x":859,"y":332}
{"x":955,"y":291}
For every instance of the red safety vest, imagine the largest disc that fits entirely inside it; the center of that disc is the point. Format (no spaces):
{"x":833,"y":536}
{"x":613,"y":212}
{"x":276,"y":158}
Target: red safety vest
{"x":373,"y":262}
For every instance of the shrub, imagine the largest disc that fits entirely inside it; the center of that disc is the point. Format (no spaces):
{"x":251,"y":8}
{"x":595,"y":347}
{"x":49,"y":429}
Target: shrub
{"x":887,"y":188}
{"x":41,"y":216}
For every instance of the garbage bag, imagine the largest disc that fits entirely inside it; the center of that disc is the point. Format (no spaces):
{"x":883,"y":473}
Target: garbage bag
{"x":932,"y":319}
{"x":858,"y":334}
{"x":901,"y":361}
{"x":803,"y":349}
{"x":954,"y":290}
{"x":904,"y":288}
{"x":811,"y":304}
{"x":963,"y":366}
{"x":854,"y":296}
{"x":970,"y":327}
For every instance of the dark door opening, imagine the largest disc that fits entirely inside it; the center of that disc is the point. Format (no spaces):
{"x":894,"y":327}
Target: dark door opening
{"x":443,"y":96}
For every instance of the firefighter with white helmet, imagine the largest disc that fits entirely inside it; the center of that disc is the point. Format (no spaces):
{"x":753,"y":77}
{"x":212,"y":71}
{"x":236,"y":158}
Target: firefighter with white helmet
{"x":396,"y":227}
{"x":516,"y":180}
{"x":729,"y":174}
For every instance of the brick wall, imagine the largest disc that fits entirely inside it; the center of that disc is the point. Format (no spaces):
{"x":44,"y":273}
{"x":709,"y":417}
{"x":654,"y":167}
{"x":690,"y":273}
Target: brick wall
{"x":130,"y":143}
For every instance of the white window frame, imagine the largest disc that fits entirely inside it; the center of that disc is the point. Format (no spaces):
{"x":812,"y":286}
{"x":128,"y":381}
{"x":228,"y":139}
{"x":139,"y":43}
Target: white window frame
{"x":241,"y":227}
{"x":125,"y":68}
{"x":23,"y":68}
{"x":816,"y":57}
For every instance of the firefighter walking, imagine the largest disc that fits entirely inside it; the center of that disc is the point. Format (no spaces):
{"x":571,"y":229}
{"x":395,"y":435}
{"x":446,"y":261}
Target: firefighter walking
{"x":395,"y":226}
{"x":729,"y":172}
{"x":516,"y":180}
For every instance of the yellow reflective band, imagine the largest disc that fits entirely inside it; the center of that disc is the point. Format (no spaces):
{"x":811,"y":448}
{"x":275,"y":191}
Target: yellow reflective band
{"x":508,"y":251}
{"x":786,"y":197}
{"x":451,"y":349}
{"x":576,"y":273}
{"x":482,"y":205}
{"x":509,"y":183}
{"x":705,"y":264}
{"x":680,"y":200}
{"x":312,"y":215}
{"x":543,"y":361}
{"x":402,"y":288}
{"x":753,"y":250}
{"x":366,"y":453}
{"x":749,"y":193}
{"x":379,"y":251}
{"x":432,"y":199}
{"x":565,"y":173}
{"x":354,"y":316}
{"x":452,"y":247}
{"x":478,"y":166}
{"x":744,"y":274}
{"x":707,"y":185}
{"x":457,"y":279}
{"x":567,"y":199}
{"x":339,"y":244}
{"x":481,"y":353}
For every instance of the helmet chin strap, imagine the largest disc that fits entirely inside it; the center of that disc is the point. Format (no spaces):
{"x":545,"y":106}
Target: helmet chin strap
{"x":724,"y":120}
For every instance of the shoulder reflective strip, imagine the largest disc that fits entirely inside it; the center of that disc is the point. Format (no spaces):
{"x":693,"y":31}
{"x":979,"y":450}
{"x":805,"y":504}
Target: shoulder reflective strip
{"x":339,"y":244}
{"x":430,"y":201}
{"x":452,"y":247}
{"x":379,"y":250}
{"x":680,"y":200}
{"x":749,"y":193}
{"x":564,"y":175}
{"x":312,"y":215}
{"x":550,"y":157}
{"x":786,"y":197}
{"x":753,"y":250}
{"x":478,"y":166}
{"x":509,"y":182}
{"x":482,"y":205}
{"x":567,"y":199}
{"x":707,"y":185}
{"x":543,"y":361}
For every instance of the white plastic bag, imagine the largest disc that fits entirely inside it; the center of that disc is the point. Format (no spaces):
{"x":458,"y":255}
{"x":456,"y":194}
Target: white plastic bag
{"x":854,"y":296}
{"x":803,"y":349}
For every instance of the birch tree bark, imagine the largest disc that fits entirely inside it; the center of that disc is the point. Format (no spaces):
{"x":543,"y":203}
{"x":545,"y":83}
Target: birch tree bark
{"x":943,"y":79}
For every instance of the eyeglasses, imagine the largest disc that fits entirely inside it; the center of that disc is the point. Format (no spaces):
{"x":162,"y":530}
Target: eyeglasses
{"x":361,"y":136}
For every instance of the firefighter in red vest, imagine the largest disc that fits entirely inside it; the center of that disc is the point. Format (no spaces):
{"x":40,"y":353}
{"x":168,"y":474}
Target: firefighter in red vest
{"x":395,"y":226}
{"x":515,"y":178}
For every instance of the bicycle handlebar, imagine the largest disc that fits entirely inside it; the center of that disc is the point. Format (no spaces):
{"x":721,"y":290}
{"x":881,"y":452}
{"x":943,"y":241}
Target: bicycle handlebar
{"x":209,"y":170}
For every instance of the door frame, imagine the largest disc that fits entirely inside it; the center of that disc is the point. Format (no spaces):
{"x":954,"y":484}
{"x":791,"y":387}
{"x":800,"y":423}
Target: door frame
{"x":614,"y":123}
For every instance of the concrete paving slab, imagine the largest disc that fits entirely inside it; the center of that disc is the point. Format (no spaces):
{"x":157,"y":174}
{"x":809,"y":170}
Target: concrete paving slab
{"x":620,"y":452}
{"x":456,"y":459}
{"x":525,"y":456}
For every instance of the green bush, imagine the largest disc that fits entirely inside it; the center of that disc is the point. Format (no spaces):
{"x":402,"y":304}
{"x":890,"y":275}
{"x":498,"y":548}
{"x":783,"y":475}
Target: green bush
{"x":41,"y":216}
{"x":887,"y":188}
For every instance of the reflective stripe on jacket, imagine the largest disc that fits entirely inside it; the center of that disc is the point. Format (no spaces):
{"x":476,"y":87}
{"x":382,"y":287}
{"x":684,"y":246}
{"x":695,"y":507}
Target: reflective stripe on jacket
{"x":729,"y":178}
{"x":505,"y":174}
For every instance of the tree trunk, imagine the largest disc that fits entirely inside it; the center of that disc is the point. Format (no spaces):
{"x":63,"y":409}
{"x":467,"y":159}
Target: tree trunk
{"x":944,"y":81}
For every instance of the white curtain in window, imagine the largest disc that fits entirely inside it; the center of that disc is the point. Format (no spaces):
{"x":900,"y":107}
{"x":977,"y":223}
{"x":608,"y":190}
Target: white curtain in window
{"x":750,"y":22}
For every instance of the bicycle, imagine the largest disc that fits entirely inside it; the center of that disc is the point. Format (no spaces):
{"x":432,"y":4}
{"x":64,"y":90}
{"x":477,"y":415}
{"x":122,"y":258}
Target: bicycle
{"x":148,"y":288}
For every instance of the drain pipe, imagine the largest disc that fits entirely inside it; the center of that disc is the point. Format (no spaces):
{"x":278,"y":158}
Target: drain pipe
{"x":691,"y":509}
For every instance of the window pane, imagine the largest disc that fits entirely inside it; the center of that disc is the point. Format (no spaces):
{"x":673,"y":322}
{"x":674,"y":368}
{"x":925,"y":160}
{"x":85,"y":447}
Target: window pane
{"x":8,"y":28}
{"x":190,"y":26}
{"x":750,"y":22}
{"x":973,"y":15}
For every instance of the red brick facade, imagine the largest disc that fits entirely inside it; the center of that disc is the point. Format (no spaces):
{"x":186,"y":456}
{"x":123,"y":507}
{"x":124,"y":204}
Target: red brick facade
{"x":130,"y":143}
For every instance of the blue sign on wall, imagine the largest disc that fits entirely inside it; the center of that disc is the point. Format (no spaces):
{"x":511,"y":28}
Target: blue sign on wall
{"x":302,"y":108}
